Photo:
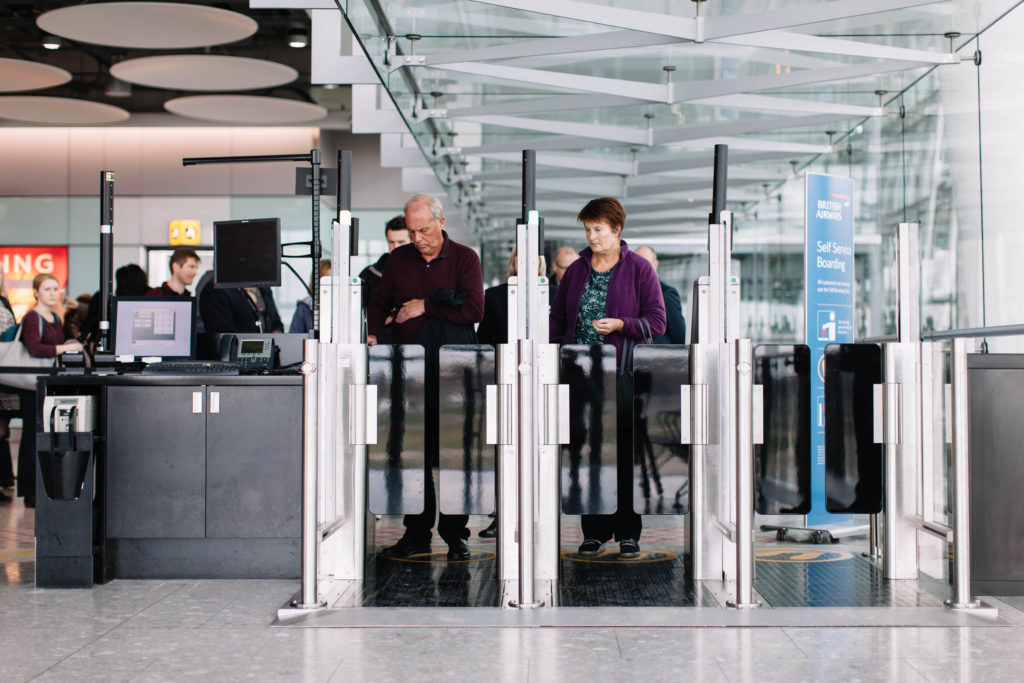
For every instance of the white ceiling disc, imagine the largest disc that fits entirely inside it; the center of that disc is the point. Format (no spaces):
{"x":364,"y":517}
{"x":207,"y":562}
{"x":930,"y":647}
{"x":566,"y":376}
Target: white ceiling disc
{"x":64,"y":111}
{"x":203,"y":72}
{"x":245,"y":109}
{"x":147,"y":25}
{"x":18,"y":75}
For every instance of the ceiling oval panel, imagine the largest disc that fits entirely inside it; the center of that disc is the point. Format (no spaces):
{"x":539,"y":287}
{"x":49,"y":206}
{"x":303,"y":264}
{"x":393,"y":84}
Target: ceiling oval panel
{"x":245,"y":109}
{"x":204,"y":72}
{"x":59,"y":111}
{"x":19,"y":75}
{"x":148,"y":25}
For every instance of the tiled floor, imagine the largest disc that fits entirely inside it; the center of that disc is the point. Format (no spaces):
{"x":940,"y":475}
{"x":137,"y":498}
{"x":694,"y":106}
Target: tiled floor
{"x":221,"y":631}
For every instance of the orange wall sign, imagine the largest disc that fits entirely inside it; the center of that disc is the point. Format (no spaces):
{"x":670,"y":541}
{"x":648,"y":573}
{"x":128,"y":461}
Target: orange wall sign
{"x":21,"y":264}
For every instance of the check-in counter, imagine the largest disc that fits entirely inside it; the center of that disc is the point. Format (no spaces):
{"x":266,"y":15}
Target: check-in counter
{"x":193,"y":477}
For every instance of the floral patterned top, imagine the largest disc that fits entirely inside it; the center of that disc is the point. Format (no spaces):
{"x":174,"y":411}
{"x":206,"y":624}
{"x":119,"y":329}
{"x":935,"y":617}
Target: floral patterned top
{"x":592,"y":305}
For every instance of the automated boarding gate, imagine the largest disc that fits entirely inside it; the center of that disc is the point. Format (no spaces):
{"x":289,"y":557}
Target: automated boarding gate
{"x":505,"y":416}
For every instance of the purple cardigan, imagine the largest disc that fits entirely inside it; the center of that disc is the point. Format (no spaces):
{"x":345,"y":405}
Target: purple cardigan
{"x":634,"y":293}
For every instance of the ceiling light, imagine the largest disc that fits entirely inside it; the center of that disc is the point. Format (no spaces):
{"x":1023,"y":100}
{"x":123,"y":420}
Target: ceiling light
{"x":117,"y":88}
{"x":298,"y":36}
{"x":51,"y":42}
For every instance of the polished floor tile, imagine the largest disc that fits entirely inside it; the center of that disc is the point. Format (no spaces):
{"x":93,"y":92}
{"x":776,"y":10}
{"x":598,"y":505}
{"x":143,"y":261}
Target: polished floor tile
{"x":211,"y":631}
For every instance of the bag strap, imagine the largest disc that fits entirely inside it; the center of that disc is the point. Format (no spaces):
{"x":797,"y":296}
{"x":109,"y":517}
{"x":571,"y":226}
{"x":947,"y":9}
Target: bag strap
{"x":645,"y":329}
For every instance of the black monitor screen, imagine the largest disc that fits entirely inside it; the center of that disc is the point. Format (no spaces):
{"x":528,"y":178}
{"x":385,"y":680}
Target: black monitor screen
{"x":247,"y":253}
{"x":154,"y":326}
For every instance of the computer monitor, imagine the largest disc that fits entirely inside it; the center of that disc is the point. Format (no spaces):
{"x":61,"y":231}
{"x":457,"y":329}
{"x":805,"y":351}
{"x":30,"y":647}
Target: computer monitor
{"x":247,"y":253}
{"x":154,"y":327}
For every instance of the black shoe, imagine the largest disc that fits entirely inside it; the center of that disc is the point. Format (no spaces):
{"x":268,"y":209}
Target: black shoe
{"x":590,"y":546}
{"x":30,"y":501}
{"x":628,"y":549}
{"x":7,"y":483}
{"x":458,"y":549}
{"x":4,"y":498}
{"x":491,"y":531}
{"x":407,"y":546}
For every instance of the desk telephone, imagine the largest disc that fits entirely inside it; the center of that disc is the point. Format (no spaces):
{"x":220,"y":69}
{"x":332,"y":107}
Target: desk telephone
{"x":251,"y":354}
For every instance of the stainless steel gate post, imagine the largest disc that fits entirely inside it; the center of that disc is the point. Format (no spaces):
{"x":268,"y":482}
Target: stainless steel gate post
{"x":961,"y":482}
{"x":310,"y":548}
{"x":527,"y":458}
{"x":743,"y":448}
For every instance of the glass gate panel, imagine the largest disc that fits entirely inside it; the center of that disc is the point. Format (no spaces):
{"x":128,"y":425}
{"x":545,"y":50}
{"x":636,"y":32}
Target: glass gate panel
{"x":467,"y":463}
{"x":853,"y":461}
{"x":589,"y":461}
{"x":661,"y":468}
{"x":397,"y":461}
{"x":782,"y":465}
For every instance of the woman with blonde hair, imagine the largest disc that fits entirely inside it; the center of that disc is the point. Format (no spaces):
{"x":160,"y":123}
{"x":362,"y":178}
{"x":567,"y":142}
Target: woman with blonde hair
{"x":42,"y":333}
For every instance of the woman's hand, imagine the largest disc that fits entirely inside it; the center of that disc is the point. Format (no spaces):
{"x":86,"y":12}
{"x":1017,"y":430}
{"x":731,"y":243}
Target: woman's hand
{"x":71,"y":346}
{"x":605,"y":326}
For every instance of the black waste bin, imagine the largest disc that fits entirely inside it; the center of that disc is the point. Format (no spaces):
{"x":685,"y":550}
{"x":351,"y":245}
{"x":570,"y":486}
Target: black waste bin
{"x":64,"y":458}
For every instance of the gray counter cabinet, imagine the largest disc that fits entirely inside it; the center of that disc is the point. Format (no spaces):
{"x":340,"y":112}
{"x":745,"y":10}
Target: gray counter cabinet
{"x":203,"y":480}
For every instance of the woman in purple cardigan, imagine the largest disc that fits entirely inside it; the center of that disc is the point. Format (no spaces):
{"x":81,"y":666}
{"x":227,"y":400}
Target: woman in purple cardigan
{"x":610,"y":296}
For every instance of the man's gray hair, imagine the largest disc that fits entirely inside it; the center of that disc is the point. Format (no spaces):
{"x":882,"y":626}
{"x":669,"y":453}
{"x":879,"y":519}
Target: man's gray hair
{"x":432,"y":203}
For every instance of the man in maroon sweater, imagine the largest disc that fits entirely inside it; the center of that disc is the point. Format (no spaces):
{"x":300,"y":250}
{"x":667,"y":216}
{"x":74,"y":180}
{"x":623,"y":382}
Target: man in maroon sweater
{"x":430,"y":293}
{"x":184,"y":268}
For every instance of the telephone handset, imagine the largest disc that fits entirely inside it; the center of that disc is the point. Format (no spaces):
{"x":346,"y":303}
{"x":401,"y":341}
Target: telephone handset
{"x":251,"y":354}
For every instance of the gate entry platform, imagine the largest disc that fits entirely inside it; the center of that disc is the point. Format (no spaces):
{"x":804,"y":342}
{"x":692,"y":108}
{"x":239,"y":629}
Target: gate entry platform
{"x":794,"y":582}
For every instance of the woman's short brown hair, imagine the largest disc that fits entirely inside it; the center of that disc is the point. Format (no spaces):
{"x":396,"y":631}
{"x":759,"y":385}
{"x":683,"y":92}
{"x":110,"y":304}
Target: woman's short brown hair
{"x":605,"y":209}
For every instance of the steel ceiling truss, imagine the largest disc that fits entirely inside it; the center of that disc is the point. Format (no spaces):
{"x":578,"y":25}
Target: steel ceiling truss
{"x":765,"y":129}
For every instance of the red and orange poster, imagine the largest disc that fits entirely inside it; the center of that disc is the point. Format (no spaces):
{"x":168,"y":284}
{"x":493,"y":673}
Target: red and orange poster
{"x":21,"y":264}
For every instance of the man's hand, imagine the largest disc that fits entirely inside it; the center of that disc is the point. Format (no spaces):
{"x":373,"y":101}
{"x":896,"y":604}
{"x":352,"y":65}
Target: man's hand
{"x":371,"y":339}
{"x":413,"y":308}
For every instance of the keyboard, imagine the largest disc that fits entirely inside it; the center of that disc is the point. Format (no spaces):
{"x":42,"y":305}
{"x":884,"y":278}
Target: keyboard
{"x":192,"y":367}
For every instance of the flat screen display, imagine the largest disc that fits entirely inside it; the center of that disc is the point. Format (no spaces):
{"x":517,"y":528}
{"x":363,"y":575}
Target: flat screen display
{"x":247,"y":253}
{"x":154,"y":326}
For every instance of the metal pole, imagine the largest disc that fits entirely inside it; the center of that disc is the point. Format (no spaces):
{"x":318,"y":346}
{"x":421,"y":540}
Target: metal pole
{"x":720,"y":183}
{"x":314,"y":162}
{"x":961,"y":482}
{"x":309,"y":598}
{"x":744,"y":450}
{"x":527,"y":451}
{"x":106,"y":258}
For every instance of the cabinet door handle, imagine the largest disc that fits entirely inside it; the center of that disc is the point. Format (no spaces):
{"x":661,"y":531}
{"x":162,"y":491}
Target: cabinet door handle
{"x":214,"y":402}
{"x":197,"y":402}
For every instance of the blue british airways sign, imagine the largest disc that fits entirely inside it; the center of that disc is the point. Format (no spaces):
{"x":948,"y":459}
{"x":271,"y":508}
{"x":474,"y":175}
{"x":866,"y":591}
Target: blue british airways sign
{"x":829,"y":304}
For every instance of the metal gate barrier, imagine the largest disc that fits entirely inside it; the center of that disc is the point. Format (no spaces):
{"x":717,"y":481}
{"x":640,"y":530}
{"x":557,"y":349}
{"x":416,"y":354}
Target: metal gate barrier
{"x":717,"y":418}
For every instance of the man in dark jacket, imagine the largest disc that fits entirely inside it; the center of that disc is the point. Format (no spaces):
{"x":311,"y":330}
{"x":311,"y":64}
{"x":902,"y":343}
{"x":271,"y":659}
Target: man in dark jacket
{"x":433,"y":291}
{"x":397,"y":235}
{"x":238,"y":309}
{"x":675,"y":329}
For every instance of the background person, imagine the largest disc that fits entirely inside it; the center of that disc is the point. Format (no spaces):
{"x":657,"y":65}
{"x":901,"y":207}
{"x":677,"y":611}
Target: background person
{"x":564,"y":257}
{"x":42,"y":333}
{"x":238,"y":309}
{"x":184,"y":268}
{"x":302,"y":319}
{"x":610,"y":296}
{"x":9,"y":406}
{"x":396,"y":234}
{"x":675,"y":326}
{"x":130,"y":280}
{"x":433,"y":288}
